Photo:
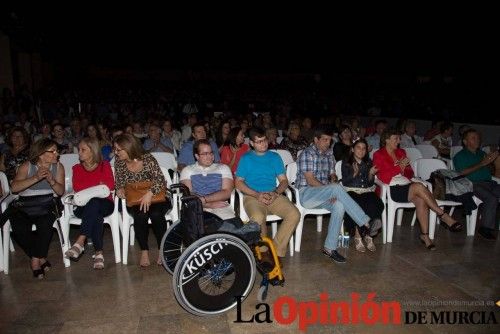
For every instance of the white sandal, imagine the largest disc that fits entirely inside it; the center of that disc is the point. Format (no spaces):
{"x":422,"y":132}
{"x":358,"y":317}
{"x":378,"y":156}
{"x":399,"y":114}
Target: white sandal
{"x":99,"y":261}
{"x":75,"y":252}
{"x":359,"y":245}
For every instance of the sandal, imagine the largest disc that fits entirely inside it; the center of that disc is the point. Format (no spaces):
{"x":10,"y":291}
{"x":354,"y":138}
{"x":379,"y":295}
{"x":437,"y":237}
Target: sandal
{"x":358,"y":243}
{"x":75,"y":252}
{"x":369,"y":244}
{"x":46,"y":266}
{"x":98,"y":261}
{"x":431,"y":246}
{"x":455,"y":227}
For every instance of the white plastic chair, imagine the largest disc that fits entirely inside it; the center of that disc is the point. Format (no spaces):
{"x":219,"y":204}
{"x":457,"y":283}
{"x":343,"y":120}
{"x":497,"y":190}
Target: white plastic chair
{"x":425,"y":168}
{"x":286,"y":156}
{"x":68,"y":161}
{"x":4,"y":203}
{"x":428,"y":151}
{"x":291,"y":173}
{"x":113,"y":220}
{"x":279,"y":140}
{"x":168,"y":161}
{"x":127,"y":228}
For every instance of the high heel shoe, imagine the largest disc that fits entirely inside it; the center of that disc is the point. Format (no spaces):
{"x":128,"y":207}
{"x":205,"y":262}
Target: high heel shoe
{"x":431,"y":246}
{"x":455,"y":227}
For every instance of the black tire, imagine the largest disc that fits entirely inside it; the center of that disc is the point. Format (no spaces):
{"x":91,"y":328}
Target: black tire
{"x":211,"y":272}
{"x":171,"y":247}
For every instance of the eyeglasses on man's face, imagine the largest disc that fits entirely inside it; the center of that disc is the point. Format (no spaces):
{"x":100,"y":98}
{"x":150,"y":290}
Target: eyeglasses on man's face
{"x":260,"y":141}
{"x":206,"y":153}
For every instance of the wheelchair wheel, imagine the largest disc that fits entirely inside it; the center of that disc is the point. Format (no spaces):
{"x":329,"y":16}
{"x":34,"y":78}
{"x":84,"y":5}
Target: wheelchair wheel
{"x":171,"y":247}
{"x":211,"y":272}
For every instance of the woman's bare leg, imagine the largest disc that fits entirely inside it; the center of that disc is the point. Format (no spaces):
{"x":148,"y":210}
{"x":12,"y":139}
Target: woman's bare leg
{"x":420,"y":191}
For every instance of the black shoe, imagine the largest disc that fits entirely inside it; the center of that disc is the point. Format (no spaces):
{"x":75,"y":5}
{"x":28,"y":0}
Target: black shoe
{"x":486,"y":233}
{"x":38,"y":273}
{"x":46,"y":266}
{"x":334,"y":255}
{"x":375,"y":225}
{"x":457,"y":227}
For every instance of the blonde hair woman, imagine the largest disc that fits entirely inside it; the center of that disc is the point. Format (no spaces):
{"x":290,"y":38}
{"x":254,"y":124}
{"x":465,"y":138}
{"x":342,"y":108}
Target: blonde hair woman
{"x":91,"y":171}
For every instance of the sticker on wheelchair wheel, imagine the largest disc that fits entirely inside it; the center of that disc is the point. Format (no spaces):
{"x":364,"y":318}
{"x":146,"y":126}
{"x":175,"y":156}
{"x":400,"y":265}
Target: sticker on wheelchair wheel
{"x":203,"y":263}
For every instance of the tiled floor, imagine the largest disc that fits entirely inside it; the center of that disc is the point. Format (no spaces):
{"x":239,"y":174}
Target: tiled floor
{"x":127,"y":299}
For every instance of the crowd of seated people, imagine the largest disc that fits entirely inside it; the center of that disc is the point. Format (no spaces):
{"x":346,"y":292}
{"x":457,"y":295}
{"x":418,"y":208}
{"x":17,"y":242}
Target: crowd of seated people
{"x":130,"y":137}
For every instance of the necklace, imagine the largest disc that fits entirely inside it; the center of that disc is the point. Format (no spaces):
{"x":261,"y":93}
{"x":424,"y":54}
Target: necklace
{"x":89,"y":167}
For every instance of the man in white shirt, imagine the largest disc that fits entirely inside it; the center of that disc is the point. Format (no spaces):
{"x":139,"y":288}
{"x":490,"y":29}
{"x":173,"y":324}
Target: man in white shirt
{"x":409,"y":137}
{"x":212,"y":182}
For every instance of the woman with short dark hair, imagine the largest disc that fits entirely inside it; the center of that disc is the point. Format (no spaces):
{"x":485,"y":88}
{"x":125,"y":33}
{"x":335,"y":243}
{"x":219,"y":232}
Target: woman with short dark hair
{"x":42,"y":176}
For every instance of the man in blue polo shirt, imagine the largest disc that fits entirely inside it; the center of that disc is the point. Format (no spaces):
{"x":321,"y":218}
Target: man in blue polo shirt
{"x":256,"y":179}
{"x":473,"y":163}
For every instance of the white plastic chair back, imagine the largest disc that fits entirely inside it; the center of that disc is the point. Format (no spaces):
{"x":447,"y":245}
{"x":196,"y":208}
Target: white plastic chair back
{"x":291,"y":173}
{"x":279,"y":140}
{"x":425,"y":167}
{"x":428,"y":151}
{"x":247,"y":140}
{"x":299,"y":152}
{"x":5,"y":184}
{"x":168,"y":161}
{"x":338,"y":169}
{"x":285,"y":155}
{"x":413,"y":153}
{"x":68,"y":161}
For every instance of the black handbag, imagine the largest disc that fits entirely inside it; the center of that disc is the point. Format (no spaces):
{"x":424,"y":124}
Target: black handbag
{"x":39,"y":205}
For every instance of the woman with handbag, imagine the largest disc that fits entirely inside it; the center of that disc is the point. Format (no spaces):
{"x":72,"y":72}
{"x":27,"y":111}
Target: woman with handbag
{"x":93,"y":170}
{"x":231,"y":152}
{"x":394,"y":169}
{"x":358,"y":175}
{"x":140,"y":181}
{"x":36,"y":182}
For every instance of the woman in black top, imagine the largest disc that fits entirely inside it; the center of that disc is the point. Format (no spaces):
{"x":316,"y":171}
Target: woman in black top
{"x":358,"y":175}
{"x":342,"y":148}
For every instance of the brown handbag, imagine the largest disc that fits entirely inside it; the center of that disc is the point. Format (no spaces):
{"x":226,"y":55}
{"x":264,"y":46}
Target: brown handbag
{"x":135,"y":191}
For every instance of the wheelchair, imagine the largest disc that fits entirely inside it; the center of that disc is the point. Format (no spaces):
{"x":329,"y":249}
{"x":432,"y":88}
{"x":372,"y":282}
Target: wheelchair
{"x":213,"y":261}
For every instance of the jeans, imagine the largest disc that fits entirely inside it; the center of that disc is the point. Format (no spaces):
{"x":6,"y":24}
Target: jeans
{"x":92,"y":216}
{"x":489,"y":193}
{"x":320,"y":198}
